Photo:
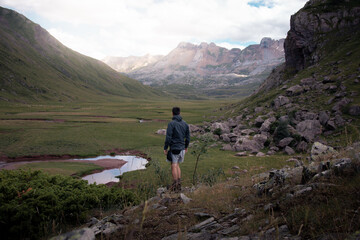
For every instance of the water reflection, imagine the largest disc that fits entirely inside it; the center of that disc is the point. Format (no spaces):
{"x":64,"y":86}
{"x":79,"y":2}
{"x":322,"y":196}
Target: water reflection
{"x":133,"y":163}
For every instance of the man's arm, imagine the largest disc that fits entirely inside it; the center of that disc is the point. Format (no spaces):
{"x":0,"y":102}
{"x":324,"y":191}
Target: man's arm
{"x":169,"y":132}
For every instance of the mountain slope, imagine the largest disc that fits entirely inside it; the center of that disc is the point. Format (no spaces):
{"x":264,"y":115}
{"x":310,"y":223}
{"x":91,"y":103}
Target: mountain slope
{"x":314,"y":95}
{"x":34,"y":66}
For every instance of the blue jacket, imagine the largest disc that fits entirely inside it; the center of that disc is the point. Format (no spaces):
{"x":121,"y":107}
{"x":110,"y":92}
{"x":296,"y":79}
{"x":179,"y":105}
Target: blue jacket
{"x":177,"y":134}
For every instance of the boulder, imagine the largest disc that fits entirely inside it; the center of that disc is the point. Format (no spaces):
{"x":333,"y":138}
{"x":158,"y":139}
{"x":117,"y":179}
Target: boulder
{"x":246,"y":144}
{"x":258,"y":121}
{"x":309,"y":129}
{"x":260,"y":154}
{"x":161,"y":132}
{"x":261,"y":139}
{"x":302,"y":147}
{"x":340,"y":104}
{"x":289,"y":150}
{"x":258,"y":109}
{"x":285,"y":142}
{"x":294,"y":90}
{"x":354,"y":110}
{"x":225,"y":137}
{"x":241,"y":154}
{"x":265,"y":127}
{"x":194,"y":128}
{"x":339,"y":121}
{"x":232,"y":137}
{"x":281,"y":101}
{"x":294,"y":175}
{"x":219,"y":125}
{"x":323,"y":118}
{"x":246,"y":132}
{"x":318,"y":149}
{"x":227,"y":147}
{"x":307,"y":81}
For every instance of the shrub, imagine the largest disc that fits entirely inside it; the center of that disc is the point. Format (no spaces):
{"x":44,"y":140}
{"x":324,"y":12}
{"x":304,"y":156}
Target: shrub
{"x":218,"y":131}
{"x":281,"y":131}
{"x":34,"y":204}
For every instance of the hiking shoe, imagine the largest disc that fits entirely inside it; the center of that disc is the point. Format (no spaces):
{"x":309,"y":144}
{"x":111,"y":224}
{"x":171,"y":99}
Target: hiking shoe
{"x":178,"y":185}
{"x":173,"y":186}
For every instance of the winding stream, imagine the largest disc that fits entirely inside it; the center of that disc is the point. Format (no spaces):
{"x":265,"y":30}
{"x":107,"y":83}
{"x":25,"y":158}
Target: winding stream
{"x":133,"y":163}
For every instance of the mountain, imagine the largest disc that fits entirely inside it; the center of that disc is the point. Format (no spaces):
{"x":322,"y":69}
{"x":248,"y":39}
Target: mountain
{"x":128,"y":64}
{"x":313,"y":96}
{"x":208,"y":66}
{"x":34,"y":66}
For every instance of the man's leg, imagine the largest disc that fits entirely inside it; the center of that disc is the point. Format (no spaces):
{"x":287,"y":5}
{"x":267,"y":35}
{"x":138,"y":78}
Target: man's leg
{"x":175,"y":171}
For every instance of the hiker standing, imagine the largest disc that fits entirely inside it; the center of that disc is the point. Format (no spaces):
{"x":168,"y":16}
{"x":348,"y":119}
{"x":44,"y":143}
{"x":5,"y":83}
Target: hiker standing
{"x":178,"y":139}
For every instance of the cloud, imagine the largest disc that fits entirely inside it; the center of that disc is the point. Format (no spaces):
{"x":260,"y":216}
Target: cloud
{"x":128,"y":27}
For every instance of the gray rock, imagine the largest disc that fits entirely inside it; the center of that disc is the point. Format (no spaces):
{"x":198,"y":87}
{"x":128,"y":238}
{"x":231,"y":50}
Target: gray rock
{"x":246,"y":132}
{"x":271,"y":152}
{"x":281,"y":101}
{"x":302,"y":191}
{"x":294,"y":90}
{"x":225,"y":138}
{"x":323,"y":118}
{"x":339,"y":121}
{"x":227,"y":147}
{"x":246,"y":144}
{"x":273,"y":148}
{"x":268,"y":207}
{"x":302,"y":147}
{"x":258,"y":121}
{"x":307,"y":81}
{"x":241,"y":154}
{"x":289,"y":150}
{"x":318,"y":149}
{"x":203,"y":224}
{"x":161,"y":132}
{"x":260,"y":154}
{"x":223,"y":126}
{"x":331,"y":124}
{"x":229,"y":230}
{"x":194,"y":128}
{"x":260,"y":139}
{"x":309,"y":129}
{"x":184,"y":198}
{"x":265,"y":127}
{"x":258,"y":109}
{"x":285,"y":142}
{"x":81,"y":234}
{"x":341,"y":104}
{"x":294,"y":175}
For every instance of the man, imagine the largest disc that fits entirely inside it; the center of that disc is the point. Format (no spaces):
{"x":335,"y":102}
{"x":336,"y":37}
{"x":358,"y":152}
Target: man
{"x":178,"y":139}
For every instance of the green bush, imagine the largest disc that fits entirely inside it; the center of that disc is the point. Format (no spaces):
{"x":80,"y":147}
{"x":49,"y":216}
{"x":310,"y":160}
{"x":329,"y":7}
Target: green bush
{"x":34,"y":204}
{"x":281,"y":131}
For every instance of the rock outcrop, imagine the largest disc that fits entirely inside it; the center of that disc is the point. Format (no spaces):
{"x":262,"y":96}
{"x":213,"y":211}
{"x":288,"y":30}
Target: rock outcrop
{"x":310,"y":24}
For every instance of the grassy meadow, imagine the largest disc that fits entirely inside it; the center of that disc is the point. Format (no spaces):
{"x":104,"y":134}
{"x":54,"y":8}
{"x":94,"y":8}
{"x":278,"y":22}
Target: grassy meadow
{"x":89,"y":129}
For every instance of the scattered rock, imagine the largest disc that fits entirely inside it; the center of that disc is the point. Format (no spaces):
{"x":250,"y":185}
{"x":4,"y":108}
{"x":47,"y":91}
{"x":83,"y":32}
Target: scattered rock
{"x":241,"y":154}
{"x":302,"y":147}
{"x":341,"y":104}
{"x":354,"y":110}
{"x":161,"y":132}
{"x":258,"y":121}
{"x":184,"y":198}
{"x":281,"y":101}
{"x":265,"y":127}
{"x":294,"y":90}
{"x":318,"y":149}
{"x":81,"y":234}
{"x":309,"y":129}
{"x":260,"y":154}
{"x":289,"y":150}
{"x":323,"y":118}
{"x":285,"y":142}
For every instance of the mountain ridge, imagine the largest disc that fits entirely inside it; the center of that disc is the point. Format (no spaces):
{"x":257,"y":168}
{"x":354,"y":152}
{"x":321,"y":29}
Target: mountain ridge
{"x":208,"y":66}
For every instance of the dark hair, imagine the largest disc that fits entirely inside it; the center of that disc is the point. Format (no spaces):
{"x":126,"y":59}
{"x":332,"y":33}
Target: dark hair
{"x":176,"y":110}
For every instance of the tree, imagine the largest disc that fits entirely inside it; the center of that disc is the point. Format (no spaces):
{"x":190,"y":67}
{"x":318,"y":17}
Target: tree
{"x":200,"y":148}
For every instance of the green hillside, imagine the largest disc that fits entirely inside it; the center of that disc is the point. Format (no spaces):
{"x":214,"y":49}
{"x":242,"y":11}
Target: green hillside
{"x":34,"y":66}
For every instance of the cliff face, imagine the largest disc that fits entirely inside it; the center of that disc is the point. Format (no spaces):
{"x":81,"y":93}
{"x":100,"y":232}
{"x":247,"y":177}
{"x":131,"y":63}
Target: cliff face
{"x":309,"y":26}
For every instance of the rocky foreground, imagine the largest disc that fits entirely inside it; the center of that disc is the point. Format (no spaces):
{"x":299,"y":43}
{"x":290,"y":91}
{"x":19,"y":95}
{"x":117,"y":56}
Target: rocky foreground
{"x":264,"y":201}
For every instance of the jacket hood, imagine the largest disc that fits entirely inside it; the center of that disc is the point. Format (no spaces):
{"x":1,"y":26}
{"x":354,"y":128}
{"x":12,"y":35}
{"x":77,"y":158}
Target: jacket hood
{"x":177,"y":118}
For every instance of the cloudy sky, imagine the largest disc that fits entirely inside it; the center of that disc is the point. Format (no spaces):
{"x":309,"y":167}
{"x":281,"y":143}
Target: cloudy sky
{"x":100,"y":28}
